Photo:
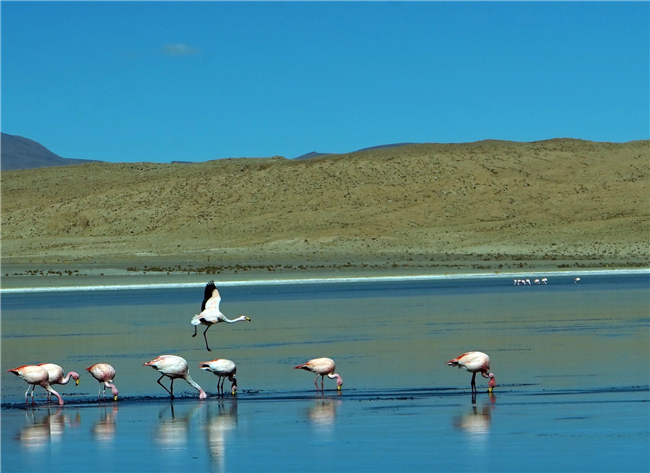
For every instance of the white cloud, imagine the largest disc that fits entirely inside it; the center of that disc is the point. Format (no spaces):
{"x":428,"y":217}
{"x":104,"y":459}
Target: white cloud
{"x":180,"y":49}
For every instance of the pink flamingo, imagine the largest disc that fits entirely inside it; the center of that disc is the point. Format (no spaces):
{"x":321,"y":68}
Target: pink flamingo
{"x":35,"y":375}
{"x":223,"y":369}
{"x":57,"y":376}
{"x":544,"y":281}
{"x":210,"y":313}
{"x":475,"y":362}
{"x":174,"y":367}
{"x":322,"y":367}
{"x":105,"y":374}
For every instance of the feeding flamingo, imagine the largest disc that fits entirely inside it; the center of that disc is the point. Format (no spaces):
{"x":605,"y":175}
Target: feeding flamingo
{"x":475,"y":362}
{"x":56,"y":376}
{"x":174,"y":367}
{"x":210,"y":313}
{"x":322,"y":367}
{"x":576,"y":280}
{"x":35,"y":376}
{"x":223,"y":369}
{"x":544,"y":281}
{"x":105,"y":374}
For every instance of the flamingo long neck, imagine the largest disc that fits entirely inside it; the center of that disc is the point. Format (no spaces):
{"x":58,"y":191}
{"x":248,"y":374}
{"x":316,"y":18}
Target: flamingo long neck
{"x":192,"y":383}
{"x":339,"y":380}
{"x":49,"y":389}
{"x":66,"y":380}
{"x":113,"y":388}
{"x":238,"y":319}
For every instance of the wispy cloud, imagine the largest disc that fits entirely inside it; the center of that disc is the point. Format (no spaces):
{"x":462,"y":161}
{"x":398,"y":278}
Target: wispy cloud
{"x":180,"y":49}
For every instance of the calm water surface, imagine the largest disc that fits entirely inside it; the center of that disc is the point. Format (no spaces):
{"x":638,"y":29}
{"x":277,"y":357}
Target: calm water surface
{"x":571,"y":362}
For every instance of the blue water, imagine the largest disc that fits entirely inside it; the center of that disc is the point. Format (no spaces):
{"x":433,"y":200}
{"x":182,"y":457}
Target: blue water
{"x":572,"y":363}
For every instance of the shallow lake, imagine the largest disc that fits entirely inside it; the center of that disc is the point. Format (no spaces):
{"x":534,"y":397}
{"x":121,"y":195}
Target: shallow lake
{"x":571,"y":363}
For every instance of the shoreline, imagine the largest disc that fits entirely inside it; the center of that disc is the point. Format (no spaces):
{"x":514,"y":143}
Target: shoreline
{"x":113,"y":285}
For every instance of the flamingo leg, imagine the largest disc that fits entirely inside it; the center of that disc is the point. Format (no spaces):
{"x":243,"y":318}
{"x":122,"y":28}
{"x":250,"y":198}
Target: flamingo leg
{"x":220,"y":383}
{"x":316,"y":381}
{"x":474,"y":382}
{"x":31,"y":386}
{"x":194,"y":331}
{"x":206,"y":338}
{"x":164,"y":387}
{"x":322,"y":378}
{"x":171,"y":386}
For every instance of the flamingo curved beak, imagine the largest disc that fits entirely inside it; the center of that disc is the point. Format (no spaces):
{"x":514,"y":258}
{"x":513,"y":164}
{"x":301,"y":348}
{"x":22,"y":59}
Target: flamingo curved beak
{"x":338,"y":388}
{"x":490,"y":389}
{"x":114,"y":398}
{"x":248,"y":319}
{"x":77,"y":382}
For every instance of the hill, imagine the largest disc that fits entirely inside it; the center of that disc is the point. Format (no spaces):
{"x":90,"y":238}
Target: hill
{"x":413,"y":205}
{"x":22,"y":153}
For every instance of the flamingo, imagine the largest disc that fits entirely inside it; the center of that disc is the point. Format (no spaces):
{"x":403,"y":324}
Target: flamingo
{"x":35,"y":375}
{"x":322,"y":367}
{"x":576,"y":280}
{"x":536,"y":281}
{"x":105,"y":374}
{"x":223,"y":369}
{"x":174,"y":367}
{"x":544,"y":281}
{"x":210,"y":313}
{"x":475,"y":362}
{"x":56,"y":376}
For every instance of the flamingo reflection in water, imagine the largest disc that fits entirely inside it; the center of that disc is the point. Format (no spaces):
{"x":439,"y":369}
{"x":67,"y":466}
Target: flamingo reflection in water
{"x":104,"y":429}
{"x":173,"y":430}
{"x":47,"y":429}
{"x":477,"y":422}
{"x":219,"y":426}
{"x":322,"y":415}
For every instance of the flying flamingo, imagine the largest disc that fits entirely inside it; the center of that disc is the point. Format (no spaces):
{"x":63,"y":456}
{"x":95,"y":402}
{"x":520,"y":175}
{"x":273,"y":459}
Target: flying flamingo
{"x":105,"y":374}
{"x":57,"y":376}
{"x":475,"y":362}
{"x":210,"y":313}
{"x":322,"y":367}
{"x":35,"y":375}
{"x":223,"y":369}
{"x":174,"y":367}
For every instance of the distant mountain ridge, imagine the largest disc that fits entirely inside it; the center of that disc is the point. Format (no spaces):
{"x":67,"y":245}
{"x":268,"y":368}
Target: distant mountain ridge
{"x":23,"y":153}
{"x":316,"y":154}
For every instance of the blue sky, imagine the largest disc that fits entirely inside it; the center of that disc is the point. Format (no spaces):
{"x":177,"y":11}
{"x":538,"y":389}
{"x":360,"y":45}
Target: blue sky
{"x":163,"y":81}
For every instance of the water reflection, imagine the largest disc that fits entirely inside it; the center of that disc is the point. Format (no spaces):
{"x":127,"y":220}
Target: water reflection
{"x":221,"y":419}
{"x":322,"y":414}
{"x":174,"y":427}
{"x":104,"y":429}
{"x":476,"y":422}
{"x":46,"y":429}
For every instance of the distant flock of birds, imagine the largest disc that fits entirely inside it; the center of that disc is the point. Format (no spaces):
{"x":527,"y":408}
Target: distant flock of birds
{"x":175,"y":367}
{"x":526,"y":282}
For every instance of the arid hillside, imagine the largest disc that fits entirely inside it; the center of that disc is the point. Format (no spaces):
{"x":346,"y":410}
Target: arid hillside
{"x":545,"y":200}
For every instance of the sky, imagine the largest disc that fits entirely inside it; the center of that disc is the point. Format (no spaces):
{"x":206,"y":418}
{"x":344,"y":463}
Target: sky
{"x":195,"y":81}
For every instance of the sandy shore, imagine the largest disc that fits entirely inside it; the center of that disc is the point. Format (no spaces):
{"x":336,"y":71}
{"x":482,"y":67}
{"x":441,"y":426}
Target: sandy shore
{"x":70,"y":275}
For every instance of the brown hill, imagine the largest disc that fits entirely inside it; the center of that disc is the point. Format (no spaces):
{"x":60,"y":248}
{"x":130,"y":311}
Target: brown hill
{"x":411,"y":205}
